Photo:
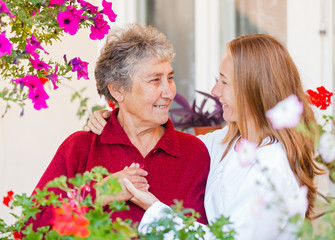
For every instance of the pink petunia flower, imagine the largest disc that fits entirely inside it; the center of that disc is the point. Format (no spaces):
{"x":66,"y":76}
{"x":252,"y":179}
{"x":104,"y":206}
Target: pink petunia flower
{"x":36,"y":90}
{"x":5,"y":45}
{"x":38,"y":97}
{"x":80,"y":67}
{"x":100,"y":27}
{"x":53,"y":77}
{"x":34,"y":42}
{"x":4,"y":9}
{"x":87,"y":6}
{"x":38,"y":64}
{"x":246,"y":152}
{"x":108,"y":10}
{"x":70,"y":19}
{"x":30,"y":49}
{"x":286,"y":114}
{"x":56,"y":2}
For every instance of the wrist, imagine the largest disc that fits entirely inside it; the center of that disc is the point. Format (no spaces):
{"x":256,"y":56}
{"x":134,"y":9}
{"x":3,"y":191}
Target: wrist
{"x":148,"y":205}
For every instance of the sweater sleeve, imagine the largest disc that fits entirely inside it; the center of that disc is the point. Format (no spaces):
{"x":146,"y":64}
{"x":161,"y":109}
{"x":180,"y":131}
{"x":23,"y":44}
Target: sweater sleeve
{"x":56,"y":168}
{"x":159,"y":210}
{"x":65,"y":162}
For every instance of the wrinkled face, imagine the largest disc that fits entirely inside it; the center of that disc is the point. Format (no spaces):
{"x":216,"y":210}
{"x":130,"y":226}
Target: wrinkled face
{"x":223,"y":88}
{"x":151,"y":94}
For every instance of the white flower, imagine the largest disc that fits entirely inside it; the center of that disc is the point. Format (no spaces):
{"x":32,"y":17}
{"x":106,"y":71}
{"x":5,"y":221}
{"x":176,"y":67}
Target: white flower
{"x":297,"y":203}
{"x":327,"y":147}
{"x":246,"y":152}
{"x":286,"y":114}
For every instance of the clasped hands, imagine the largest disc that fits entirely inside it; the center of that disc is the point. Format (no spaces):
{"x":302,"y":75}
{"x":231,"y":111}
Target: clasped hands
{"x":134,"y":187}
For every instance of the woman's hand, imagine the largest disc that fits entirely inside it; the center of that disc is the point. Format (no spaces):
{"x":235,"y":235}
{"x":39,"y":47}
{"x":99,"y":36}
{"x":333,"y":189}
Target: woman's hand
{"x":143,"y":199}
{"x":136,"y":175}
{"x":97,"y":121}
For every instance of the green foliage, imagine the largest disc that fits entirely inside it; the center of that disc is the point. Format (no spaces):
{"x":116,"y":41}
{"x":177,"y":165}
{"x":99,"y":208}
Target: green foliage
{"x":83,"y":109}
{"x":216,"y":228}
{"x":100,"y":224}
{"x":38,"y":18}
{"x":179,"y":224}
{"x":324,"y":224}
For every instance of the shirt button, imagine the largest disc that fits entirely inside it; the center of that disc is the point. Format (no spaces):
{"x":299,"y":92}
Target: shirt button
{"x":154,"y":151}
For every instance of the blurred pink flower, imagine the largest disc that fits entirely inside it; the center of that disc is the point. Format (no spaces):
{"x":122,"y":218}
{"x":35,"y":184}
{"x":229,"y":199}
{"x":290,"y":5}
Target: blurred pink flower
{"x":5,"y":45}
{"x":37,"y":64}
{"x":4,"y":9}
{"x":298,"y":202}
{"x":53,"y":77}
{"x":56,"y":2}
{"x":70,"y":19}
{"x":38,"y":97}
{"x":30,"y":49}
{"x":87,"y":6}
{"x":327,"y":147}
{"x":286,"y":114}
{"x":80,"y":67}
{"x":33,"y":41}
{"x":246,"y":152}
{"x":100,"y":27}
{"x":36,"y":90}
{"x":108,"y":10}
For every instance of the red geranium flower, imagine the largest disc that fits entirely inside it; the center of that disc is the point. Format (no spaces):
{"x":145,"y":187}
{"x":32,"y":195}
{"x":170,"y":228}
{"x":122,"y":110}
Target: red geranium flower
{"x":17,"y":235}
{"x":70,"y":220}
{"x":321,"y":98}
{"x":43,"y":80}
{"x":6,"y":200}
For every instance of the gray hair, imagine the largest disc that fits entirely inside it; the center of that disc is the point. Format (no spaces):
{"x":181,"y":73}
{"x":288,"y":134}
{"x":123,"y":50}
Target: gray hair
{"x":124,"y":49}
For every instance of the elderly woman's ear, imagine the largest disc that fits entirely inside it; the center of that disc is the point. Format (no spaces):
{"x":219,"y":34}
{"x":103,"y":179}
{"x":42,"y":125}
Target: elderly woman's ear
{"x":116,"y":91}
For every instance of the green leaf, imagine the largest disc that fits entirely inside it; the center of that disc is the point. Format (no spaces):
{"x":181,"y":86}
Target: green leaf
{"x":123,"y":229}
{"x":79,"y":180}
{"x":118,"y":206}
{"x":58,"y":182}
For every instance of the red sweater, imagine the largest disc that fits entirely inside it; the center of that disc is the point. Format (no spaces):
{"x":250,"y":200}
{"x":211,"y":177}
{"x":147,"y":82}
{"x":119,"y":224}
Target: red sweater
{"x":177,"y":166}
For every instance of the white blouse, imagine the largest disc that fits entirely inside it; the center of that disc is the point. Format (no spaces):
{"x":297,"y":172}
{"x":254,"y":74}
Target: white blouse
{"x":244,"y":193}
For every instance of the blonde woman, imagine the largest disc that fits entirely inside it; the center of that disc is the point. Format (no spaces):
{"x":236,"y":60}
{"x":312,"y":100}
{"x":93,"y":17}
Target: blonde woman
{"x":256,"y":73}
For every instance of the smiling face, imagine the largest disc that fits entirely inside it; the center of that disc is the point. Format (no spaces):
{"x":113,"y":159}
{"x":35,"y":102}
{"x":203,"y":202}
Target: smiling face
{"x":152,"y":91}
{"x":223,"y":88}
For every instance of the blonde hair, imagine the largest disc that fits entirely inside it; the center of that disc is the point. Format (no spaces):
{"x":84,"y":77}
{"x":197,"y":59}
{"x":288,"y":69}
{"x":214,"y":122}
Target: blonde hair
{"x":264,"y":74}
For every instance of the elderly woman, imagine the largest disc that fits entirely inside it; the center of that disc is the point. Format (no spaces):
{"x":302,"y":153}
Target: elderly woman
{"x":134,"y":71}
